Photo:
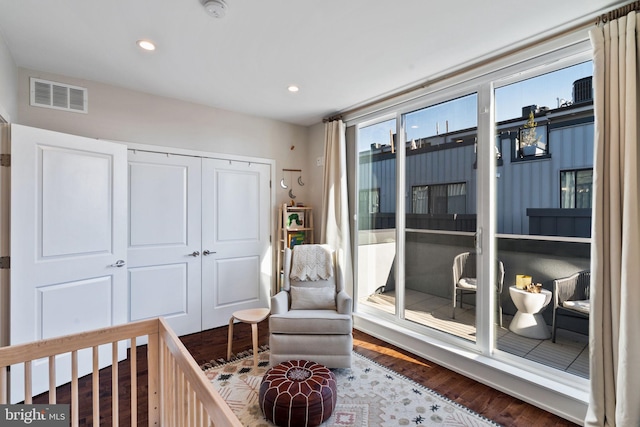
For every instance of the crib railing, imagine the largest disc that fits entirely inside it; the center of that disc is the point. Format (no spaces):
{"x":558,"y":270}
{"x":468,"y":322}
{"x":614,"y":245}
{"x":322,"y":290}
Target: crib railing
{"x":179,"y":393}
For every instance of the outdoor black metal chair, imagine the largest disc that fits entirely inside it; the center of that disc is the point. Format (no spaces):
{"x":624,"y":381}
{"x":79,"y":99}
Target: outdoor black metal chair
{"x":571,"y":298}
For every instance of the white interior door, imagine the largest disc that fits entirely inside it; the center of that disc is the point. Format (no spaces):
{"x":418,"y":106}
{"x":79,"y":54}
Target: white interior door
{"x":164,"y":239}
{"x":237,"y":262}
{"x":68,"y":232}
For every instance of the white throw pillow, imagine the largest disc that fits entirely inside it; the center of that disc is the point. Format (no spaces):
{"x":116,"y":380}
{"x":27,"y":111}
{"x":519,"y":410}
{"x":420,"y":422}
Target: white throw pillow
{"x":305,"y":298}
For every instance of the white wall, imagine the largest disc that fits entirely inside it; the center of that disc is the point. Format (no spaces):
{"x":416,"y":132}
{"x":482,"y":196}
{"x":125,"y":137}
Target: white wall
{"x":8,"y":82}
{"x":314,"y":179}
{"x":124,"y":115}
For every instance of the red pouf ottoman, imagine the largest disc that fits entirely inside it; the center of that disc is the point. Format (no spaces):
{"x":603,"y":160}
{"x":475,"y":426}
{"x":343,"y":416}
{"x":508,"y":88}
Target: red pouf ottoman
{"x":298,"y":393}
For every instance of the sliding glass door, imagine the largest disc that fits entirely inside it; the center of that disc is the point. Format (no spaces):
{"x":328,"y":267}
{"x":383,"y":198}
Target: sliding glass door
{"x":376,"y":233}
{"x":475,"y":200}
{"x":544,"y":128}
{"x":440,"y":216}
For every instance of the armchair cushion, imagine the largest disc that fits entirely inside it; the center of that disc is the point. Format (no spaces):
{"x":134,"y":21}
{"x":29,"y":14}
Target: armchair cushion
{"x":307,"y":298}
{"x":310,"y":322}
{"x":583,"y":306}
{"x":468,"y":283}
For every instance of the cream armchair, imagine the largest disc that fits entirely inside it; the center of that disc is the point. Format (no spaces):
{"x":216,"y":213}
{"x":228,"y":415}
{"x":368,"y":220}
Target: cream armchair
{"x":311,"y":319}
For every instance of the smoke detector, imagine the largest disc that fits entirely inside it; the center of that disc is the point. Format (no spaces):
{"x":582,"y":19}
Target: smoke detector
{"x":216,"y":8}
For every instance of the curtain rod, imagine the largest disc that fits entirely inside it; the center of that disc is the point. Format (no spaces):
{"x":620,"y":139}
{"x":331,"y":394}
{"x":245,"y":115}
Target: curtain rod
{"x":617,"y":13}
{"x":332,"y":118}
{"x":585,"y":24}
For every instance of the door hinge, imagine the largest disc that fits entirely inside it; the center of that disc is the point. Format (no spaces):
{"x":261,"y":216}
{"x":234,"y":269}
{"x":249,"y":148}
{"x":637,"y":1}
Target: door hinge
{"x":5,"y":160}
{"x":5,"y":262}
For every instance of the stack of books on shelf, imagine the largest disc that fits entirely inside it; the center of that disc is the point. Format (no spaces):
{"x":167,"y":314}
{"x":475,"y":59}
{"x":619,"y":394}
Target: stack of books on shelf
{"x":296,"y":239}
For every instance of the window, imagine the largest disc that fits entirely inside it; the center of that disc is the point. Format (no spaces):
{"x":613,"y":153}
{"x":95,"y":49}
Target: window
{"x":457,"y":198}
{"x":534,"y":117}
{"x":575,"y":189}
{"x":439,"y":199}
{"x":370,"y":201}
{"x":420,"y":199}
{"x":532,"y":140}
{"x":453,"y":163}
{"x":436,"y":123}
{"x":376,"y":219}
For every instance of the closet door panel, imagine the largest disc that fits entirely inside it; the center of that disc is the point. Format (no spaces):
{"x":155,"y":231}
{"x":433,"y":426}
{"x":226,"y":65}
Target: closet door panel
{"x":158,"y":197}
{"x":68,"y":239}
{"x":169,"y":281}
{"x":165,"y":239}
{"x":237,"y":272}
{"x":239,"y":280}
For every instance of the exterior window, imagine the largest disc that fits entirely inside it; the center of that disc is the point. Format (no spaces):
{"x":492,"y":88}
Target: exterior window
{"x":457,"y":198}
{"x":439,"y":199}
{"x":420,"y":199}
{"x":532,"y":140}
{"x":575,"y":189}
{"x":370,"y":201}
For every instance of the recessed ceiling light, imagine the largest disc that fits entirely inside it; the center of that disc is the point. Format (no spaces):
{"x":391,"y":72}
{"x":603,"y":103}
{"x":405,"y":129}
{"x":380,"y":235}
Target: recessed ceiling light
{"x":146,"y":45}
{"x":293,"y":88}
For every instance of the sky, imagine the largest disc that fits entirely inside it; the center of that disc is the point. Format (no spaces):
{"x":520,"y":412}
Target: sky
{"x":547,"y":90}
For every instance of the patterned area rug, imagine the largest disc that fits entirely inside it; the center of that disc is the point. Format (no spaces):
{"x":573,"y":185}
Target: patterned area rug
{"x":368,"y":395}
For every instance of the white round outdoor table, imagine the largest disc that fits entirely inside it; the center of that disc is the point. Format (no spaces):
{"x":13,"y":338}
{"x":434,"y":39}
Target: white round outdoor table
{"x":528,"y":321}
{"x":252,"y":316}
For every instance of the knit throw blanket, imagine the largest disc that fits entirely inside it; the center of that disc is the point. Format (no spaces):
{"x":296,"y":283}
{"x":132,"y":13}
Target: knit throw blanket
{"x":311,"y":262}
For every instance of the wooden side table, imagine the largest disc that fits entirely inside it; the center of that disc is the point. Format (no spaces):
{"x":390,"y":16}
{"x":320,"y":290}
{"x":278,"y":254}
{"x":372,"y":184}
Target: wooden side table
{"x":252,"y":316}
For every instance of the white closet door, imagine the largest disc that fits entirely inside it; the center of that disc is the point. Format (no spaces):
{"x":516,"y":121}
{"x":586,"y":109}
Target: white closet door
{"x":164,"y":239}
{"x":237,"y":261}
{"x":68,"y":232}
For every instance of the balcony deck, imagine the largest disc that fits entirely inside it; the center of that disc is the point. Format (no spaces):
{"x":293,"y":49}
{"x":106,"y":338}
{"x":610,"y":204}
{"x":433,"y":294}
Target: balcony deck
{"x":569,"y":353}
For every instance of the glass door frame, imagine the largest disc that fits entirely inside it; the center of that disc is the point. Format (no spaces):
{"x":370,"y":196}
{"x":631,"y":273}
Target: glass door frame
{"x":539,"y":60}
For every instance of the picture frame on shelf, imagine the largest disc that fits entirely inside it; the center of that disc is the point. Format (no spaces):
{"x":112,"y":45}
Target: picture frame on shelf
{"x":294,"y":220}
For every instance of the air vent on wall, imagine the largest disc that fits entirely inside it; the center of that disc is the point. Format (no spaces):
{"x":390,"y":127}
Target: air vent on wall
{"x":60,"y":96}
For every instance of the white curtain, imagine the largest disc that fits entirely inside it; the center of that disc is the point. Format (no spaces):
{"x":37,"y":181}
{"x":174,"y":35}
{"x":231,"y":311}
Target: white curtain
{"x":614,"y":336}
{"x":335,"y":203}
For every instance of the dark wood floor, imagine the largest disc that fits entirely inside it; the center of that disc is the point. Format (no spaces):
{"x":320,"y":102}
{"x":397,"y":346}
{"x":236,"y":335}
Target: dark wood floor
{"x":211,"y":345}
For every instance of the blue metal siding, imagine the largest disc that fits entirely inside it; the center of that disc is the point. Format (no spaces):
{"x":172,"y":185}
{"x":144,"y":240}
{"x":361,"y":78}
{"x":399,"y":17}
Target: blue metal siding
{"x":522,"y":184}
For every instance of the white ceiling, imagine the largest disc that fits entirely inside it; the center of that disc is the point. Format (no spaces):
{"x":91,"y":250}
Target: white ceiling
{"x":340,"y":52}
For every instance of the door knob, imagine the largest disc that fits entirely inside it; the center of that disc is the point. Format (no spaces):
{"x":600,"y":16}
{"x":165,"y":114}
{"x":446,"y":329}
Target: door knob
{"x":195,"y":254}
{"x":207,"y":252}
{"x":118,"y":263}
